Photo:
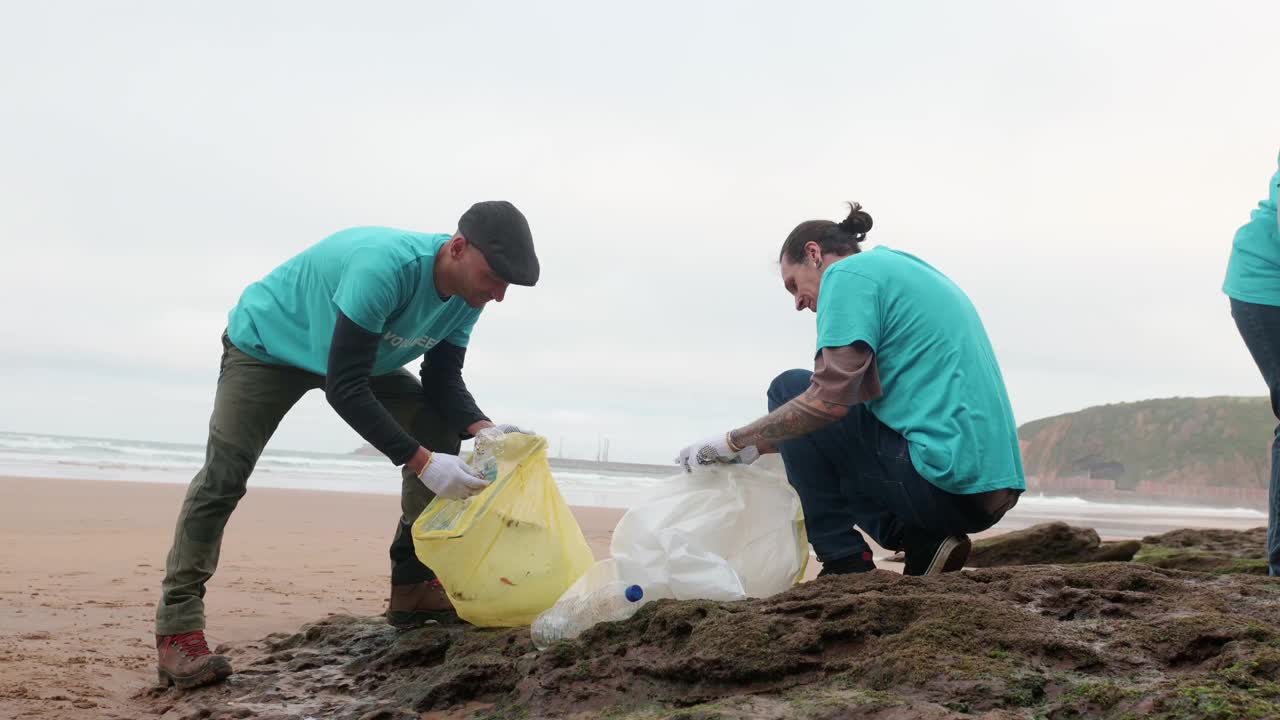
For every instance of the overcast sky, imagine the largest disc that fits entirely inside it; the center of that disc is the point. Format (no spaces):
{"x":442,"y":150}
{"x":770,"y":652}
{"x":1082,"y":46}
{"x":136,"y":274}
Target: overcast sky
{"x":1078,"y":169}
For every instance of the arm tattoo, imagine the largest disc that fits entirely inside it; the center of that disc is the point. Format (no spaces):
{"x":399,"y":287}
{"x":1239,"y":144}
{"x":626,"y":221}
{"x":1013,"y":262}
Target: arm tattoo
{"x":801,"y":416}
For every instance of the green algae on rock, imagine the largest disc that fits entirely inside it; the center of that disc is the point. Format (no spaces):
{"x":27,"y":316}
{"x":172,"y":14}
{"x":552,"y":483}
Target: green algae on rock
{"x":1048,"y":544}
{"x":1114,"y":640}
{"x":1210,"y":551}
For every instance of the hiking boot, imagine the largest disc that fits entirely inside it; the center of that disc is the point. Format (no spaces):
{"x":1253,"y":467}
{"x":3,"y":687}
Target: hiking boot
{"x":186,"y":661}
{"x":931,"y":555}
{"x":418,"y":604}
{"x":855,"y":563}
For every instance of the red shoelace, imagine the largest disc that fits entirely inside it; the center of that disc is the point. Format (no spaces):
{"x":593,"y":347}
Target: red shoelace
{"x":192,"y":644}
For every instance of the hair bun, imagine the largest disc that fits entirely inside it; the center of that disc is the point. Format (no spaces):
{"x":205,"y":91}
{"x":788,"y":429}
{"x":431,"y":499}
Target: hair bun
{"x":858,"y":223}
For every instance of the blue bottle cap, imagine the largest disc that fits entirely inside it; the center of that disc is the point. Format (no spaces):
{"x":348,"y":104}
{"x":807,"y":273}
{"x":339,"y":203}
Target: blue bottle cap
{"x":634,"y":593}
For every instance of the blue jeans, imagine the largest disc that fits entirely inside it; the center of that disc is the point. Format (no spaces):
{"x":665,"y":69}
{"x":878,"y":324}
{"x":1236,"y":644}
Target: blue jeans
{"x":1259,"y":325}
{"x":858,"y":472}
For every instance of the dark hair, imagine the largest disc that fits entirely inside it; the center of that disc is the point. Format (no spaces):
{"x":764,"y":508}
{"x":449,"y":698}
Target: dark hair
{"x":841,"y":238}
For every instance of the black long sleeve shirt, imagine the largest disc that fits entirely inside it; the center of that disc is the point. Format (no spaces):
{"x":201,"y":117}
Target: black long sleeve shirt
{"x":351,"y":357}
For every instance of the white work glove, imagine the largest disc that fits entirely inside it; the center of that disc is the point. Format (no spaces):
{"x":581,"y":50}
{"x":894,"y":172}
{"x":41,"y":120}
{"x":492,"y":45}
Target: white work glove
{"x":508,"y":428}
{"x":714,"y":450}
{"x":449,"y":477}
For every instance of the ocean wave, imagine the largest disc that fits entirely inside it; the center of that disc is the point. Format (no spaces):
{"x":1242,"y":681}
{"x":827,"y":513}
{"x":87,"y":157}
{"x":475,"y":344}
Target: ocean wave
{"x":166,"y":462}
{"x":608,"y":479}
{"x":1040,"y":503}
{"x":34,"y":442}
{"x":145,"y":451}
{"x":375,"y":463}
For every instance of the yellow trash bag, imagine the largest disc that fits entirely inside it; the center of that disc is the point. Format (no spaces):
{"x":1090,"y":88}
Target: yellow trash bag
{"x":509,"y":553}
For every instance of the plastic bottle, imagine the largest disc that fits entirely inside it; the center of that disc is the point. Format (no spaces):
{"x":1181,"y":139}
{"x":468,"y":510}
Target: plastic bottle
{"x":487,"y":446}
{"x":568,"y":619}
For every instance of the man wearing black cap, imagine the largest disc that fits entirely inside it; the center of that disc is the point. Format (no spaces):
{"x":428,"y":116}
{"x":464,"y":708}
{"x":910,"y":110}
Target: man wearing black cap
{"x":346,"y":315}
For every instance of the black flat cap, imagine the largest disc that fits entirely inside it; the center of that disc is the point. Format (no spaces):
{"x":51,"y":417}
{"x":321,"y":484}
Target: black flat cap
{"x":500,"y":232}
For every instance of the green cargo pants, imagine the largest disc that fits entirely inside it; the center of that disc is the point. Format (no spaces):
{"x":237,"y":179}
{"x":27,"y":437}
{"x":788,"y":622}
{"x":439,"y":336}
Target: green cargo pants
{"x":251,"y":399}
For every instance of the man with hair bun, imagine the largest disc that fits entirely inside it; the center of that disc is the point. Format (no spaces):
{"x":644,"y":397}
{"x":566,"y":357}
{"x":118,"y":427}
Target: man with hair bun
{"x":903,"y":428}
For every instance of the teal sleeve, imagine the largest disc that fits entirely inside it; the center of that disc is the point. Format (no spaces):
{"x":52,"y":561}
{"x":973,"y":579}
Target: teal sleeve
{"x":849,"y":311}
{"x":1275,"y":189}
{"x":462,"y":334}
{"x":370,"y":289}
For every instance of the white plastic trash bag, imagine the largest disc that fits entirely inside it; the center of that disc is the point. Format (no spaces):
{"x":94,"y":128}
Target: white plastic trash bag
{"x":726,"y":532}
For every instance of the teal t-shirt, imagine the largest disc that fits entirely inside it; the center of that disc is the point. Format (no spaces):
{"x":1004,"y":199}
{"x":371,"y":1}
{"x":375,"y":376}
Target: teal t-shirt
{"x":1253,"y":272}
{"x":942,"y":387}
{"x":381,"y":278}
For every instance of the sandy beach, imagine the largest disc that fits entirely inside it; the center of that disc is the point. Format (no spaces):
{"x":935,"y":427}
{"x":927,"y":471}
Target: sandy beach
{"x":81,"y":563}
